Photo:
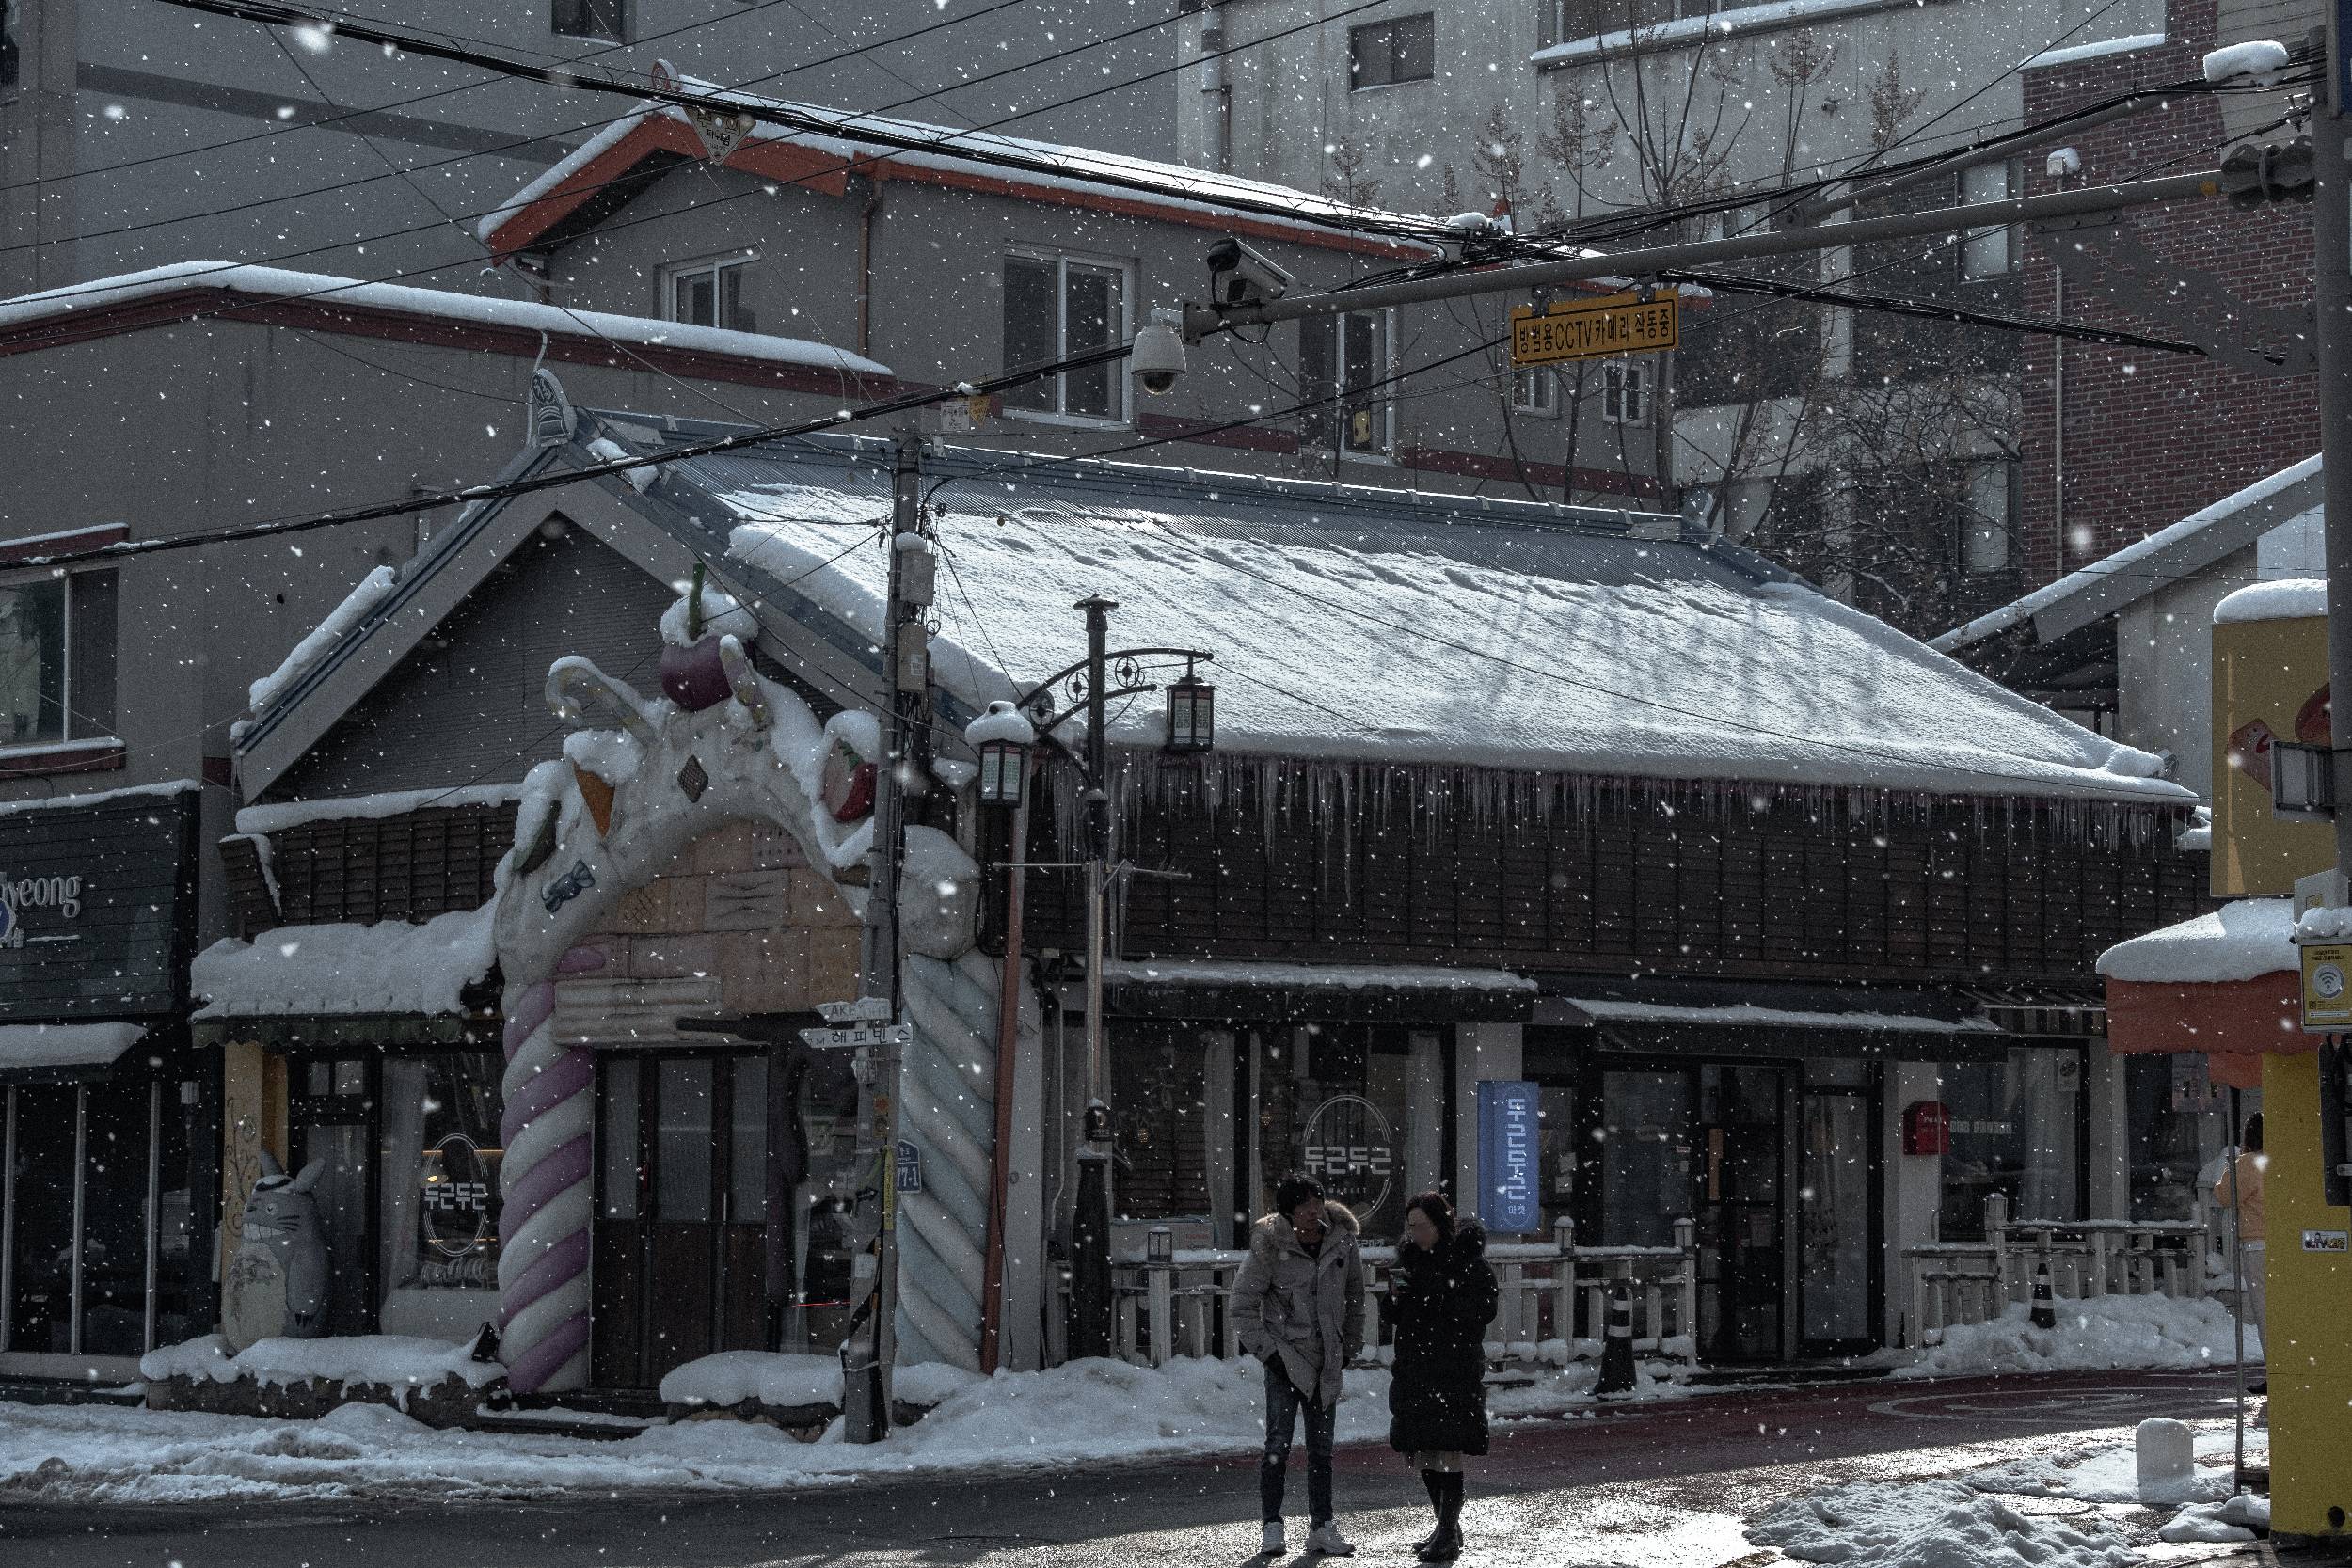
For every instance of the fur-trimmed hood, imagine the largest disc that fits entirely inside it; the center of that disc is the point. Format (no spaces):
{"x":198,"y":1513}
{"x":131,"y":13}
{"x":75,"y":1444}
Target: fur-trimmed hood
{"x":1273,"y":1228}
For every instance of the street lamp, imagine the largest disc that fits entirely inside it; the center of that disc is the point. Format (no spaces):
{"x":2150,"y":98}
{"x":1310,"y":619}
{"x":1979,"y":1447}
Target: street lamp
{"x":1191,"y":713}
{"x":1002,"y":738}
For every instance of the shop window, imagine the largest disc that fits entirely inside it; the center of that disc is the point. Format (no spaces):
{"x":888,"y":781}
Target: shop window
{"x":2016,"y":1130}
{"x":1402,"y":49}
{"x":57,"y":660}
{"x":2176,"y":1126}
{"x":711,"y":294}
{"x":1337,"y":1101}
{"x":607,"y":20}
{"x":439,"y":1186}
{"x":1160,"y":1100}
{"x":1056,"y":307}
{"x":1345,"y":370}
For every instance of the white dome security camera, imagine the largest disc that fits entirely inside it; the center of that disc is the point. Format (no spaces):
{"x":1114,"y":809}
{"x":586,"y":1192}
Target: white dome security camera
{"x":1158,"y":359}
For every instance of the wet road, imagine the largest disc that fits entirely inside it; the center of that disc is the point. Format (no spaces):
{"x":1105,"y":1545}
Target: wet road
{"x":1660,"y":1485}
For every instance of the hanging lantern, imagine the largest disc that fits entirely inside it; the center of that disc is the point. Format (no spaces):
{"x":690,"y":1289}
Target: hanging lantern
{"x":1001,"y":737}
{"x":1191,"y":714}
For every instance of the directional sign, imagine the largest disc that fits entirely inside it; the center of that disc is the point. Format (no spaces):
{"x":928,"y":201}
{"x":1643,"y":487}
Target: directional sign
{"x":860,"y":1035}
{"x":865,"y":1009}
{"x":910,"y":1172}
{"x":1596,"y":329}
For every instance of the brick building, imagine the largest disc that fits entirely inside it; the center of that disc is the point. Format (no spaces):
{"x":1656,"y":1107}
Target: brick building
{"x":2119,"y":442}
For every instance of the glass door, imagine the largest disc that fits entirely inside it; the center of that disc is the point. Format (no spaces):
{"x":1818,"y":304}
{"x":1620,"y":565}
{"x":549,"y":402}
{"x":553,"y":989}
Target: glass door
{"x":1743,"y":1269}
{"x":1835,"y":1254}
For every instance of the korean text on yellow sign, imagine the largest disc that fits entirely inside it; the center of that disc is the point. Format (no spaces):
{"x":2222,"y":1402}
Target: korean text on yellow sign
{"x":1596,"y":329}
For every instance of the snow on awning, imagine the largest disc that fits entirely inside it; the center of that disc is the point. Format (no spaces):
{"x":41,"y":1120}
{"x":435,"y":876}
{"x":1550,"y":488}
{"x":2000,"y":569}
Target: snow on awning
{"x":1205,"y":988}
{"x":388,"y":970}
{"x":1929,"y":1032}
{"x":50,"y":1051}
{"x":2227,"y":982}
{"x":1749,"y":1015}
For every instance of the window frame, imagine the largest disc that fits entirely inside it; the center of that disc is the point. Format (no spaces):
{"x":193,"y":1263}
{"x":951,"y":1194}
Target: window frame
{"x":626,"y":22}
{"x":1970,"y":239}
{"x":1123,"y":395}
{"x":715,"y":267}
{"x":1545,"y":380}
{"x":1976,"y":524}
{"x":75,"y":728}
{"x":1392,"y":61}
{"x":1620,"y":377}
{"x":1385,"y":394}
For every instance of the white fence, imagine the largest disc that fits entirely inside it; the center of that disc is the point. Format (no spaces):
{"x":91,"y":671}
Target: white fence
{"x":1956,"y":1283}
{"x":1554,"y":1300}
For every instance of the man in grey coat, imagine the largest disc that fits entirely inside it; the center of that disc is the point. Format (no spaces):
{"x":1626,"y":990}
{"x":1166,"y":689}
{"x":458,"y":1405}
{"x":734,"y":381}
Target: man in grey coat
{"x":1298,"y":1307}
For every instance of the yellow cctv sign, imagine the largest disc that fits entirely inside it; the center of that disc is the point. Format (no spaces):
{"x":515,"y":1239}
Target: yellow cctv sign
{"x":1596,"y":329}
{"x":2328,"y":987}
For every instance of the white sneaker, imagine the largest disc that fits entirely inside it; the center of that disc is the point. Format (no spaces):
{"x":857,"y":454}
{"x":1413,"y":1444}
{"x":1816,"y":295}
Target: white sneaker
{"x":1270,"y":1543}
{"x":1327,"y":1541}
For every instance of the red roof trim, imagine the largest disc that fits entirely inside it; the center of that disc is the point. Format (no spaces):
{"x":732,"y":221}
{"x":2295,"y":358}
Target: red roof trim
{"x":62,"y":544}
{"x":326,"y":315}
{"x":773,"y":158}
{"x":66,"y":757}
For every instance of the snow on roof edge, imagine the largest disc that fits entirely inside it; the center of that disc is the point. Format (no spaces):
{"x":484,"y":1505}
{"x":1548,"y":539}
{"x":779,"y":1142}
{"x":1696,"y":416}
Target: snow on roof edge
{"x":2078,"y":52}
{"x":2121,"y":562}
{"x":2281,"y":599}
{"x":98,"y":797}
{"x":279,"y":284}
{"x":275,"y":816}
{"x":2244,"y":940}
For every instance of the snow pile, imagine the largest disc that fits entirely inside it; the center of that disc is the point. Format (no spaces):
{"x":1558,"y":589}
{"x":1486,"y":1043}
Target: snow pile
{"x":1530,"y":649}
{"x":394,"y":1360}
{"x":2096,"y":1335}
{"x":2079,"y":54}
{"x":1931,"y":1524}
{"x":723,"y":612}
{"x":391,"y":967}
{"x":772,"y":1378}
{"x":2324,"y":922}
{"x":2239,"y":1518}
{"x":56,"y":1045}
{"x":340,"y":622}
{"x":2284,"y":599}
{"x":2241,"y":940}
{"x":2111,"y":1475}
{"x":2259,"y":61}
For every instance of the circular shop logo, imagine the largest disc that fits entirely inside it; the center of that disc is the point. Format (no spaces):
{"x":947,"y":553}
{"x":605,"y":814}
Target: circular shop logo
{"x":455,"y":1205}
{"x":1349,"y":1149}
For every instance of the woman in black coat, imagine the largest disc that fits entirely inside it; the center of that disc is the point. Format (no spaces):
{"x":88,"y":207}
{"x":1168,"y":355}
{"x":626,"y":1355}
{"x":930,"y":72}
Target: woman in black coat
{"x":1441,"y":1298}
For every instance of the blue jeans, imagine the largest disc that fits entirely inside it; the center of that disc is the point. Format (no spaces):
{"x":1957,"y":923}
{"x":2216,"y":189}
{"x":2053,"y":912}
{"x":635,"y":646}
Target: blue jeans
{"x":1283,"y":1406}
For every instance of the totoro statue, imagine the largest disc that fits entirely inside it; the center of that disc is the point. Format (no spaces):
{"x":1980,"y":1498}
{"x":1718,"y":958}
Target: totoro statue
{"x":277,"y":1284}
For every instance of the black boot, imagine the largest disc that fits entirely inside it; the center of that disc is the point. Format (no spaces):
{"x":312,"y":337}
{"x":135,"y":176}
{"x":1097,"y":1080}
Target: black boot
{"x":1435,"y":1481}
{"x":1447,"y":1544}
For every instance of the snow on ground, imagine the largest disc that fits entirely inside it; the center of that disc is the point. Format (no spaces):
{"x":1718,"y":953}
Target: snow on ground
{"x":2111,"y":1475}
{"x":1933,"y":1524}
{"x":2096,"y":1335}
{"x":1083,"y":1413}
{"x":2232,"y":1519}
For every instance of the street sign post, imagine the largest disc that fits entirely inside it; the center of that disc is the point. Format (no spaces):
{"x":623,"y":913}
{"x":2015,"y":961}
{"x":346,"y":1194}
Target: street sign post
{"x":858,"y":1036}
{"x":1596,"y":329}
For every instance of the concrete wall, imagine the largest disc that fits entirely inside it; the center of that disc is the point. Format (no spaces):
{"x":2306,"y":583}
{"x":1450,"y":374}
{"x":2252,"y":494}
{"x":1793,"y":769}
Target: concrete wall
{"x":144,"y":89}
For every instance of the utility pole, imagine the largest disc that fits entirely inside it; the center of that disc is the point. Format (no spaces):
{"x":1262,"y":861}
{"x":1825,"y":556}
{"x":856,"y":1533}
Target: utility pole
{"x":867,"y":1354}
{"x":1091,"y":1228}
{"x":2331,"y":304}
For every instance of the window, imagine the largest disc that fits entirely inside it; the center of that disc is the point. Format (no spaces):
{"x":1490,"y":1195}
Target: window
{"x":1343,"y":370}
{"x":57,"y":660}
{"x":591,"y":19}
{"x":1402,"y":49}
{"x":9,"y":53}
{"x":1536,"y":389}
{"x":711,"y":294}
{"x":1566,"y":21}
{"x":1061,"y":305}
{"x":1986,"y":252}
{"x":1984,"y":545}
{"x":1625,"y":391}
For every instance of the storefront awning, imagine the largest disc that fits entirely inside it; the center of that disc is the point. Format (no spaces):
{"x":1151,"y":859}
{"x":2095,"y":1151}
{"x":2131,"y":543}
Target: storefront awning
{"x":61,"y":1052}
{"x":2227,"y":982}
{"x":1205,"y":990}
{"x":336,"y":1031}
{"x":1901,"y":1026}
{"x":389,"y":983}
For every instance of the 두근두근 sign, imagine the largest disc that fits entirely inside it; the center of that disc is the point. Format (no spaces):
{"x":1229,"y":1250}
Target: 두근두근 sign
{"x":1510,"y":1139}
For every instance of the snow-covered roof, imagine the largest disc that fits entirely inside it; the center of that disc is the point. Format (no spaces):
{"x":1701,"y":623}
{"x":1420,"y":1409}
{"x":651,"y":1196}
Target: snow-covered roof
{"x":2287,"y":599}
{"x":2172,"y":553}
{"x":1372,"y":625}
{"x":2076,"y":53}
{"x":1748,"y":1015}
{"x":884,"y":146}
{"x":345,"y":969}
{"x":281,"y":815}
{"x":1713,"y":23}
{"x":2242,"y":940}
{"x":33,"y":1047}
{"x":1225,"y":972}
{"x":98,"y":797}
{"x":275,"y":286}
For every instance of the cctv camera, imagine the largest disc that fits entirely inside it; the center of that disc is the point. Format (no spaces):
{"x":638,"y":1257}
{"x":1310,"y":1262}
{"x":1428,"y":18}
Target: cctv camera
{"x":1239,"y":275}
{"x":1158,"y":357}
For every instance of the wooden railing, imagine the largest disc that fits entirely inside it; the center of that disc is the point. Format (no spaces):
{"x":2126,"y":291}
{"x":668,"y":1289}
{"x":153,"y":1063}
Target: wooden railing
{"x":1958,"y":1283}
{"x":1553,"y":1307}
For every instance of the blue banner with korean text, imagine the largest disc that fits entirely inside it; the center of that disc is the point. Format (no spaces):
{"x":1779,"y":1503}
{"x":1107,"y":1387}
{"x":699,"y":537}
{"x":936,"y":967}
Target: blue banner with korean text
{"x":1510,"y":1133}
